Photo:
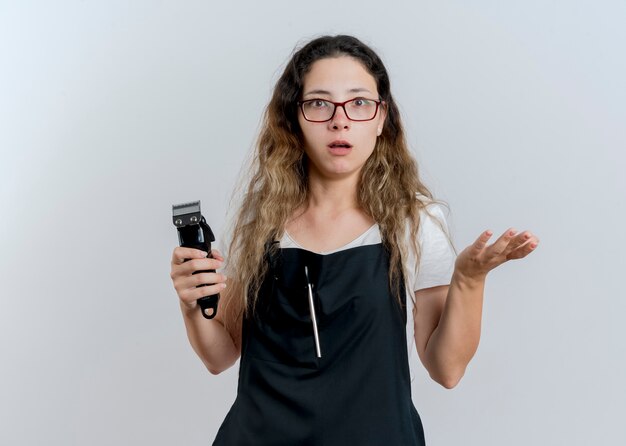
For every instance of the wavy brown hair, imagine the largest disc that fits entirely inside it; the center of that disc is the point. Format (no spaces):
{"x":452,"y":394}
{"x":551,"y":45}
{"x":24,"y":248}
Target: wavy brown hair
{"x":387,"y":188}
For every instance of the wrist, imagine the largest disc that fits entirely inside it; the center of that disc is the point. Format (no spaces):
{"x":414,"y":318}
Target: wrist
{"x":188,"y":309}
{"x":468,"y":281}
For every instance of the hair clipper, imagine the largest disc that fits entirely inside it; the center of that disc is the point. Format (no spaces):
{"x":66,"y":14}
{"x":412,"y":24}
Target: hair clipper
{"x":194,"y":232}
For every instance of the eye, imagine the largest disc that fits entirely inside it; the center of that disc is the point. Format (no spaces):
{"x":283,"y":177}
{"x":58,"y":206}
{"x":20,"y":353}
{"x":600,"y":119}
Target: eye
{"x":318,"y":103}
{"x":361,"y":102}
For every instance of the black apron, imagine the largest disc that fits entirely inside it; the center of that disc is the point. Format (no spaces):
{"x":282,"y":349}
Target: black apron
{"x":359,"y":391}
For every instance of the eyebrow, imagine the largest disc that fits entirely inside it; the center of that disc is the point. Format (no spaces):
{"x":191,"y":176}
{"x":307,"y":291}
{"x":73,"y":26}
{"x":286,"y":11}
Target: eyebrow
{"x":352,"y":90}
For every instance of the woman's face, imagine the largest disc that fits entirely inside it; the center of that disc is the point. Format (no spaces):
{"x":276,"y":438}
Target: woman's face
{"x":339,"y":79}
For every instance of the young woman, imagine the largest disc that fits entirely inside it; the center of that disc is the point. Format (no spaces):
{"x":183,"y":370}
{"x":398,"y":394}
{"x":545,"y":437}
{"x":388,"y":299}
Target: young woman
{"x":335,"y":231}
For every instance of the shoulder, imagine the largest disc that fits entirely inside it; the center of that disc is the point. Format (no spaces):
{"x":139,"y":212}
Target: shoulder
{"x":433,"y":219}
{"x":431,"y":206}
{"x":433,"y":264}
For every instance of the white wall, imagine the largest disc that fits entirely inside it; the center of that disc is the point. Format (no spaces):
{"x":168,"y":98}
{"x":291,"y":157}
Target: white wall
{"x":112,"y":111}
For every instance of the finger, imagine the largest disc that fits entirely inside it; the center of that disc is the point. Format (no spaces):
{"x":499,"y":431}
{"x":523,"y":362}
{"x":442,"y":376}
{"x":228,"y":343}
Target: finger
{"x":217,"y":255}
{"x":181,"y":254}
{"x":525,"y":249}
{"x":193,"y":294}
{"x":200,"y":265}
{"x":185,"y":270}
{"x":501,"y":244}
{"x":480,"y":243}
{"x":185,"y":283}
{"x":521,"y":239}
{"x":205,"y":279}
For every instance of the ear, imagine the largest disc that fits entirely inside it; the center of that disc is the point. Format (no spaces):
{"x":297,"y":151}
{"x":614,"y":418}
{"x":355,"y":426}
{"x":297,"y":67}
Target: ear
{"x":382,"y":116}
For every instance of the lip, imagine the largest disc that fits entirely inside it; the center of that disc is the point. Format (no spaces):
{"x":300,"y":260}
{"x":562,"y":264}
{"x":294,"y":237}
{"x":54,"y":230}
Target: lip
{"x":339,"y":151}
{"x":338,"y":142}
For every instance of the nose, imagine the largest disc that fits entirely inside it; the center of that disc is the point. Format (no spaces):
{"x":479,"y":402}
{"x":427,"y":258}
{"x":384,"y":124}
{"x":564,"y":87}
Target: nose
{"x":339,"y":119}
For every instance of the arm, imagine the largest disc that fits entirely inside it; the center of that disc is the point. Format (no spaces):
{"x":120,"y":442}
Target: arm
{"x":217,"y":341}
{"x":447,"y":329}
{"x":217,"y":348}
{"x":448,"y":318}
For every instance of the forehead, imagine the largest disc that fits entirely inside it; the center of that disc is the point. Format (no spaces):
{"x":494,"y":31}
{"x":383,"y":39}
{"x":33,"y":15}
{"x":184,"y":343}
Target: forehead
{"x":339,"y":76}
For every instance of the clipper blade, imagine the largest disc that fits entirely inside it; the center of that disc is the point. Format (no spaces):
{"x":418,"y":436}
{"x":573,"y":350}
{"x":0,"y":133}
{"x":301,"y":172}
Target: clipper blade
{"x":186,"y":213}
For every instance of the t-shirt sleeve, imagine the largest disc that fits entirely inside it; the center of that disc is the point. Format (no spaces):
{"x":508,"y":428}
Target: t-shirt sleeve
{"x":437,"y":255}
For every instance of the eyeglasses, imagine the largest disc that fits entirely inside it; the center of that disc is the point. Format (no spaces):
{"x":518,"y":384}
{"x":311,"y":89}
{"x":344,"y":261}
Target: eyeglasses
{"x":322,"y":110}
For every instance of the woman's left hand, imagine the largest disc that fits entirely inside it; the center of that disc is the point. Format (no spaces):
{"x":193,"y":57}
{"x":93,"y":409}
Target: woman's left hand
{"x":475,"y":261}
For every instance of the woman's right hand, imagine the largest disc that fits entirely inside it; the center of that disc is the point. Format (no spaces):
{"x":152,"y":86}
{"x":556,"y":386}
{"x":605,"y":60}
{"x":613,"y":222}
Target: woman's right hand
{"x":187,"y":284}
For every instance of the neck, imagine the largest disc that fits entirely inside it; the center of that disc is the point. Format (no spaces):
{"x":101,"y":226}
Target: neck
{"x":332,"y":195}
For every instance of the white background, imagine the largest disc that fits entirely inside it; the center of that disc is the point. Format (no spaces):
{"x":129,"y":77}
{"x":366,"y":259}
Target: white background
{"x":110,"y":112}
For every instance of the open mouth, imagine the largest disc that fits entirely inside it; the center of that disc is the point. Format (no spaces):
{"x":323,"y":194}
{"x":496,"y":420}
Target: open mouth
{"x":340,"y":144}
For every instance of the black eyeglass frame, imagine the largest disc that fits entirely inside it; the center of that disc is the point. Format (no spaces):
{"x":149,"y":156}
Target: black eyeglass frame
{"x":342,"y":105}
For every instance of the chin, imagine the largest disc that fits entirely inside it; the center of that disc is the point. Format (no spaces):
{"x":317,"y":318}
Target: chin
{"x":342,"y":171}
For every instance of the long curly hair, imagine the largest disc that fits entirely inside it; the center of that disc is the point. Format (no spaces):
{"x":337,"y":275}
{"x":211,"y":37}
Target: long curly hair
{"x":388,"y":188}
